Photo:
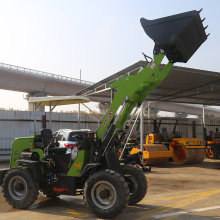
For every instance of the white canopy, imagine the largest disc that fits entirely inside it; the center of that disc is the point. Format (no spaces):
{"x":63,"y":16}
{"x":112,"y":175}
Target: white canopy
{"x":53,"y":101}
{"x":58,"y":100}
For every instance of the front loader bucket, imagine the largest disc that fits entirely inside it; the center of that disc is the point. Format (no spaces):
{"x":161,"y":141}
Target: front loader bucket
{"x":179,"y":36}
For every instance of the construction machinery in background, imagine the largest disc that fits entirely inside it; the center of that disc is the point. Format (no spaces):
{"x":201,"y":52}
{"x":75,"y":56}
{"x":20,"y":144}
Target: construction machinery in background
{"x":96,"y":173}
{"x":162,"y":145}
{"x":163,"y":135}
{"x":212,"y":143}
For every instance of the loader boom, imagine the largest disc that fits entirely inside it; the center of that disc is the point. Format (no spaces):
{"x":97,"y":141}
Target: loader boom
{"x":177,"y":37}
{"x":134,"y":89}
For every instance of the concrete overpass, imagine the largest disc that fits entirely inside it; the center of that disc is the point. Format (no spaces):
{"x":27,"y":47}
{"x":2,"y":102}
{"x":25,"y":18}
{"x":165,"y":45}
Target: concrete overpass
{"x":30,"y":81}
{"x":37,"y":83}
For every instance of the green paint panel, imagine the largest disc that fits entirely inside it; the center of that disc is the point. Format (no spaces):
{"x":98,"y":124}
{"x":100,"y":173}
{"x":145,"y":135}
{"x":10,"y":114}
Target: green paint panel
{"x":19,"y":145}
{"x":137,"y":88}
{"x":119,"y":82}
{"x":83,"y":157}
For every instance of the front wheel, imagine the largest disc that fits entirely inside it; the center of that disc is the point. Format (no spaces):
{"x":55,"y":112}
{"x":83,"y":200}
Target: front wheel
{"x":19,"y":188}
{"x":106,"y":194}
{"x":137,"y":183}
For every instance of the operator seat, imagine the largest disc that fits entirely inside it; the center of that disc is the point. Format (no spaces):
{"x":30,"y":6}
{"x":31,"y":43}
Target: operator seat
{"x":164,"y":133}
{"x":46,"y":135}
{"x":58,"y":154}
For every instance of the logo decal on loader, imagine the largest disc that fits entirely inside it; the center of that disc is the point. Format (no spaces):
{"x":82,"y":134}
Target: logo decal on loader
{"x":153,"y":65}
{"x":78,"y":165}
{"x":111,"y":112}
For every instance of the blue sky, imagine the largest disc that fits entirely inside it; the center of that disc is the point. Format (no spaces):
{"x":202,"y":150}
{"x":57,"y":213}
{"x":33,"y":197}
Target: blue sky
{"x":99,"y":37}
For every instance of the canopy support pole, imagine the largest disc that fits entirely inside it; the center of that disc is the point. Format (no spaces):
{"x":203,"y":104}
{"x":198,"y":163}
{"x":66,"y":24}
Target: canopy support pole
{"x":141,"y":129}
{"x":35,"y":118}
{"x":148,"y":108}
{"x":50,"y":114}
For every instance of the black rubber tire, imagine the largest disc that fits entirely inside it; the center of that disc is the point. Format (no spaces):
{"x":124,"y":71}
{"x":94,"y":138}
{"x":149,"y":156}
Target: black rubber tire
{"x":27,"y":188}
{"x":48,"y":192}
{"x":137,"y":183}
{"x":116,"y":189}
{"x":215,"y":154}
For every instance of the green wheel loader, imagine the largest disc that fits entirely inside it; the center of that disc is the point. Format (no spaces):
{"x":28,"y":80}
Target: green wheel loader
{"x":106,"y":185}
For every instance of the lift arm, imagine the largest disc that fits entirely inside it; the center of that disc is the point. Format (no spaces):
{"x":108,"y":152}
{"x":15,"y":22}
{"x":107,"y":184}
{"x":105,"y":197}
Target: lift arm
{"x":133,"y":89}
{"x":177,"y":37}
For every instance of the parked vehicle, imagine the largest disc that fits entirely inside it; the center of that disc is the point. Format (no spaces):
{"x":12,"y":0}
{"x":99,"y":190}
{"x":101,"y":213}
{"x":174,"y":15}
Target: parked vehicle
{"x":71,"y":139}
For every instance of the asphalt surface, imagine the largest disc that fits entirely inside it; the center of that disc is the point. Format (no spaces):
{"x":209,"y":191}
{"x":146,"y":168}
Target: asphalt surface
{"x":174,"y":192}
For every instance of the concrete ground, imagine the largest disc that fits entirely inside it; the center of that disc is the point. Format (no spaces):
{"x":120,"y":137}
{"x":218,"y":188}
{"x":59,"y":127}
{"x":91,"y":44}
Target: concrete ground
{"x":174,"y":192}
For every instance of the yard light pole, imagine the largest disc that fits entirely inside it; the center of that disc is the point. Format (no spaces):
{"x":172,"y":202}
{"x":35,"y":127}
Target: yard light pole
{"x":79,"y":107}
{"x":141,"y":129}
{"x":203,"y":115}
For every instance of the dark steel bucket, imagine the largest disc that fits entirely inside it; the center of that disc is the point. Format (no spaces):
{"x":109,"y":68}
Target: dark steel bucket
{"x":178,"y":35}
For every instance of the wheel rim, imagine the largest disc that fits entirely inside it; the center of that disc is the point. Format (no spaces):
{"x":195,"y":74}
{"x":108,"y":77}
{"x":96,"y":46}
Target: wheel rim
{"x":103,"y":194}
{"x":209,"y":152}
{"x":132,"y":184}
{"x":18,"y":187}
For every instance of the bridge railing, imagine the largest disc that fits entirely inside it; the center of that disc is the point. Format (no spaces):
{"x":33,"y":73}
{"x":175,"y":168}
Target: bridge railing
{"x":44,"y":74}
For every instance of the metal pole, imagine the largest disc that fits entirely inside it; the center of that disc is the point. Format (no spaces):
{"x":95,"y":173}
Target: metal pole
{"x":148,"y":110}
{"x":141,"y":129}
{"x":79,"y":108}
{"x":203,"y":115}
{"x":129,"y":136}
{"x":91,"y":111}
{"x":50,"y":116}
{"x":35,"y":119}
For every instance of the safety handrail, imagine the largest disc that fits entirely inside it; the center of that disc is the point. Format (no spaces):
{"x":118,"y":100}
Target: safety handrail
{"x":41,"y":73}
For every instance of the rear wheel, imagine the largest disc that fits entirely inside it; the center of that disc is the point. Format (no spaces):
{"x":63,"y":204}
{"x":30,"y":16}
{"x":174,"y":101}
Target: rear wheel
{"x":137,"y":183}
{"x":106,"y":194}
{"x":19,"y":188}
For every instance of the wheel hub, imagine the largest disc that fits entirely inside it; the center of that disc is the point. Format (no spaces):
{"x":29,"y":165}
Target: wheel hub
{"x":19,"y":187}
{"x":132,"y":183}
{"x":104,"y":194}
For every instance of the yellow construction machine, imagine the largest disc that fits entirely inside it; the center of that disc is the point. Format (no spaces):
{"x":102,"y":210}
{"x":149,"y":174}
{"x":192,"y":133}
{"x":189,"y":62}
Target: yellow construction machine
{"x":212,"y":142}
{"x":161,"y":145}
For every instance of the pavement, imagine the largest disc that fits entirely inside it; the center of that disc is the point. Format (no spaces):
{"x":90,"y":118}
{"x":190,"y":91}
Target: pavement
{"x":4,"y":165}
{"x":174,"y":192}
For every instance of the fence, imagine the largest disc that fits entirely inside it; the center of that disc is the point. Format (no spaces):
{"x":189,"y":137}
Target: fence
{"x":21,"y":124}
